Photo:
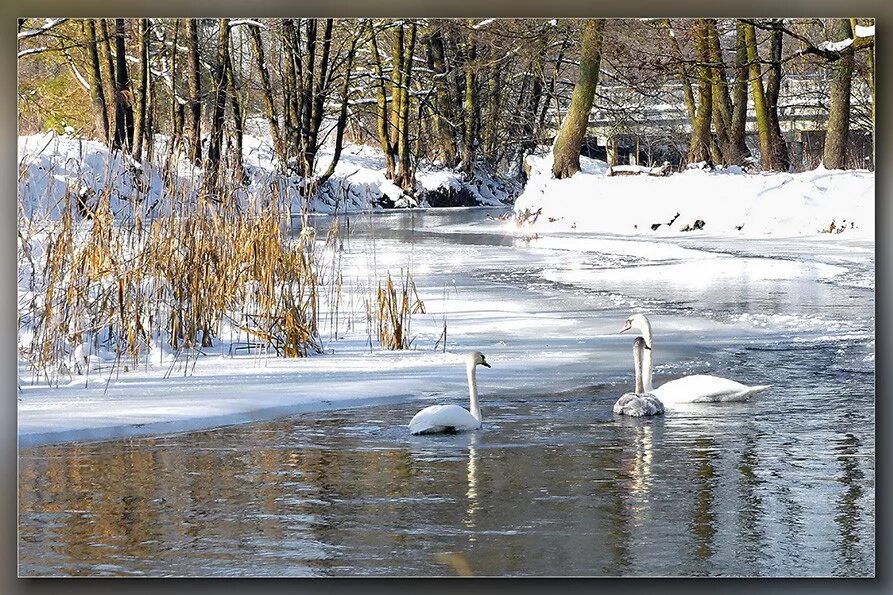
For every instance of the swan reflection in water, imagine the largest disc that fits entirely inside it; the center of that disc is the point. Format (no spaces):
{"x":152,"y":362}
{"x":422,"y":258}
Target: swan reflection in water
{"x":636,"y":466}
{"x":471,"y":494}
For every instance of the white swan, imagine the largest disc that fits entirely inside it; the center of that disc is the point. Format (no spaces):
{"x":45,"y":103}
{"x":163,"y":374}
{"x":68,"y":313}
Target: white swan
{"x":638,"y":403}
{"x":698,"y":388}
{"x":452,"y":418}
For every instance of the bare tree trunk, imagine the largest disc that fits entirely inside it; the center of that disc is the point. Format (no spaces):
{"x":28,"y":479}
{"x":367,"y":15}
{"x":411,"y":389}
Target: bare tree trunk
{"x":835,"y":150}
{"x":195,"y":96}
{"x":307,"y":87}
{"x":123,"y":95}
{"x":269,"y":106}
{"x":177,"y":109}
{"x":737,"y":132}
{"x":760,"y":103}
{"x":319,"y":93}
{"x":871,"y":83}
{"x":396,"y":85}
{"x":405,"y":178}
{"x":342,"y":115}
{"x":97,"y":93}
{"x":722,"y":103}
{"x":220,"y":79}
{"x":142,"y":98}
{"x":780,"y":159}
{"x":699,"y":146}
{"x":238,"y":118}
{"x":494,"y":85}
{"x":470,"y":126}
{"x":443,"y":117}
{"x":294,"y":91}
{"x":570,"y":138}
{"x":109,"y":74}
{"x":384,"y":139}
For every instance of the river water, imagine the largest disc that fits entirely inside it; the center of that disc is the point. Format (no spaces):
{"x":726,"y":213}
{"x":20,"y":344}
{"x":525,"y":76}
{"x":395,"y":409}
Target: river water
{"x":554,"y":484}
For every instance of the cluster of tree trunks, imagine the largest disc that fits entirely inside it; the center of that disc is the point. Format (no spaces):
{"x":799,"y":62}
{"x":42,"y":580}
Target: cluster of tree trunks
{"x":442,"y":89}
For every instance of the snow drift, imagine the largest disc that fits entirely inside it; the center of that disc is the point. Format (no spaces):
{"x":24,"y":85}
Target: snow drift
{"x":719,"y":202}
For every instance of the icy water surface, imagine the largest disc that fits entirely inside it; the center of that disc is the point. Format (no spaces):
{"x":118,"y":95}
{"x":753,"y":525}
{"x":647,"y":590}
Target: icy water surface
{"x":554,"y":484}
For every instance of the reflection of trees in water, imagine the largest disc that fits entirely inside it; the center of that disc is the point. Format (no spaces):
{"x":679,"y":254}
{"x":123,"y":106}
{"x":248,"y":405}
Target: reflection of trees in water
{"x":78,"y":501}
{"x":849,"y":510}
{"x":703,"y":522}
{"x":751,"y":509}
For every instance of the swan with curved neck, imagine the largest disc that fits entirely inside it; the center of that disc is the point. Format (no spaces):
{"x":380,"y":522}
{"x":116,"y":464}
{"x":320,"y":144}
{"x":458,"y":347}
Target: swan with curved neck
{"x":439,"y":419}
{"x":641,"y":402}
{"x":697,"y":388}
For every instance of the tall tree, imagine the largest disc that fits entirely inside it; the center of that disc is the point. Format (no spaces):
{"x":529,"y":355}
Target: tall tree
{"x":699,"y":146}
{"x":443,"y":98}
{"x":722,"y":102}
{"x":566,"y":150}
{"x":382,"y":119}
{"x":269,"y":105}
{"x":109,"y":75}
{"x":238,"y":114}
{"x":835,"y":150}
{"x":220,"y":80}
{"x":405,"y":178}
{"x":739,"y":98}
{"x":780,"y":159}
{"x":143,"y":90}
{"x":769,"y":138}
{"x":97,"y":93}
{"x":193,"y":75}
{"x":123,"y":94}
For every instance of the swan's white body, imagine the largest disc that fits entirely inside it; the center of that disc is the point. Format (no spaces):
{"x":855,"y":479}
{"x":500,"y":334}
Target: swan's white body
{"x":698,"y":388}
{"x":703,"y":388}
{"x":639,"y":403}
{"x":439,"y":419}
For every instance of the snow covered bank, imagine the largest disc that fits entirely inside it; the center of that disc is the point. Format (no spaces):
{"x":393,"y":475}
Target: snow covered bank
{"x":51,"y":165}
{"x":725,"y":202}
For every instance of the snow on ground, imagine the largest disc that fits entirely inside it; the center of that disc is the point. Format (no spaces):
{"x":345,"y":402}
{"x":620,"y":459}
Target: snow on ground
{"x":728,"y":201}
{"x":51,"y":165}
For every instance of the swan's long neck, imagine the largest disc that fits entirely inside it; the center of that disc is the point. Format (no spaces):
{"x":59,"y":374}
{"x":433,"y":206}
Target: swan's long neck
{"x":474,"y":408}
{"x":637,"y":363}
{"x":647,"y":367}
{"x":647,"y":356}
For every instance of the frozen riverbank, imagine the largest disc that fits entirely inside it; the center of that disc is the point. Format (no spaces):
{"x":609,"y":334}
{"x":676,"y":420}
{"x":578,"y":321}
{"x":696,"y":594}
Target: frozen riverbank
{"x":545,"y":311}
{"x":726,"y":202}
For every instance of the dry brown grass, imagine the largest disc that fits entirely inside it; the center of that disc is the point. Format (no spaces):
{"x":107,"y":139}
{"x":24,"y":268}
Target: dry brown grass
{"x":126,"y":283}
{"x":394,"y":308}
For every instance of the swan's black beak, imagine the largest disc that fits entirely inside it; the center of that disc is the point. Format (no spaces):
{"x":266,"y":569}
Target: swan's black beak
{"x":626,"y":328}
{"x":485,"y":364}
